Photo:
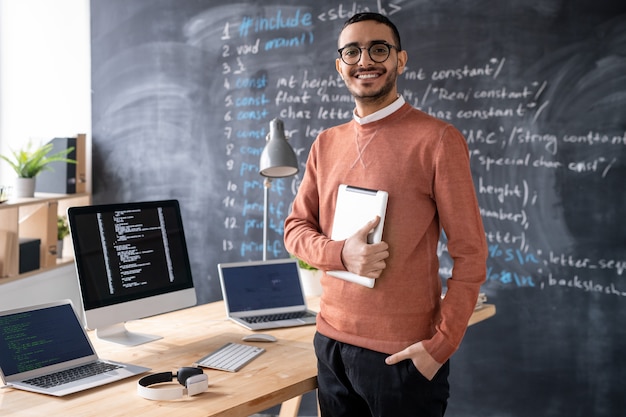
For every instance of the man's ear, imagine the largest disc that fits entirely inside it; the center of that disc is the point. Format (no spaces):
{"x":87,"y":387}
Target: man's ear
{"x":338,"y":67}
{"x":403,"y":57}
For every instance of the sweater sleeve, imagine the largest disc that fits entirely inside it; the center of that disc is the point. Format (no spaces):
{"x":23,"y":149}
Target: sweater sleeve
{"x":304,"y":237}
{"x":459,"y":213}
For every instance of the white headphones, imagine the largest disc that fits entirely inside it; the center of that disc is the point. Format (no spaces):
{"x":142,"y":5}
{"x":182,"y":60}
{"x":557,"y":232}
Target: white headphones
{"x":193,"y":379}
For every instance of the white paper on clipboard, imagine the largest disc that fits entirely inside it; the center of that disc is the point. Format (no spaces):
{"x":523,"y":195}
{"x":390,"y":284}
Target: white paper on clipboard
{"x":355,"y":207}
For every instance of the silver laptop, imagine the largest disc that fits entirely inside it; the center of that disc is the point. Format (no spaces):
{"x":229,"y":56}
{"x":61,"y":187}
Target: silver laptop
{"x":264,"y":294}
{"x":45,"y":349}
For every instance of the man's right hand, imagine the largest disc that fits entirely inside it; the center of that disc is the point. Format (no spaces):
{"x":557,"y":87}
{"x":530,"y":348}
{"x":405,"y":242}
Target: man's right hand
{"x":365,"y":259}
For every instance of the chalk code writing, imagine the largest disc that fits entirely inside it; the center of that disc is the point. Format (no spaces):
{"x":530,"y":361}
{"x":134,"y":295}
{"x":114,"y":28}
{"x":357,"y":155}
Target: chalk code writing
{"x":499,"y":123}
{"x":512,"y":156}
{"x":249,"y":108}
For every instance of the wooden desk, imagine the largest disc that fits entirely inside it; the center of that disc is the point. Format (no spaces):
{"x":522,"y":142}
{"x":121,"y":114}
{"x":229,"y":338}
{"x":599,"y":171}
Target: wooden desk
{"x":283,"y":373}
{"x":482,"y":313}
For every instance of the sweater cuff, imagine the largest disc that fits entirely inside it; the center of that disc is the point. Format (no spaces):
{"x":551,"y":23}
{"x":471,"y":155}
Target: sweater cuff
{"x":439,"y":348}
{"x":332,"y":255}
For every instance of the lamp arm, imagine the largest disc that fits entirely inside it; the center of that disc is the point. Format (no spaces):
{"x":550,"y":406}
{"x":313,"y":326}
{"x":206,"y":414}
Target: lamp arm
{"x":266,"y":190}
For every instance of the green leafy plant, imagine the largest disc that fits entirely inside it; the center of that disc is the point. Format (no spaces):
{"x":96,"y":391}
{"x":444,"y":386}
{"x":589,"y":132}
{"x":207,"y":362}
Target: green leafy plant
{"x":63,"y":229}
{"x":28,"y":162}
{"x":305,"y":265}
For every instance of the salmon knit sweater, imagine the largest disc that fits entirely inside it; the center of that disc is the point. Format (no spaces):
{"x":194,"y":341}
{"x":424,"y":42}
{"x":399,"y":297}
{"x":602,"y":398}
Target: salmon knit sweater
{"x":423,"y":163}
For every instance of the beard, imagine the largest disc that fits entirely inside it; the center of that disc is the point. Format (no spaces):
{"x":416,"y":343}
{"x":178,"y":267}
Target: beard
{"x":379,"y":95}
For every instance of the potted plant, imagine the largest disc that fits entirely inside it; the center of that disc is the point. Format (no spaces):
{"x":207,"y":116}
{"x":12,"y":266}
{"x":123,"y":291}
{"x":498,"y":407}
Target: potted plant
{"x":28,"y":162}
{"x":310,"y":278}
{"x":63,"y":229}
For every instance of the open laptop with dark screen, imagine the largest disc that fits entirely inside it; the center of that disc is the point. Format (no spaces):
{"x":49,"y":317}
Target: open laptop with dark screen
{"x":264,"y":294}
{"x":45,"y":349}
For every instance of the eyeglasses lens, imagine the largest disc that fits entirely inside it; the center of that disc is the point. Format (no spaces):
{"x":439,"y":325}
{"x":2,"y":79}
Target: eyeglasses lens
{"x":378,"y":53}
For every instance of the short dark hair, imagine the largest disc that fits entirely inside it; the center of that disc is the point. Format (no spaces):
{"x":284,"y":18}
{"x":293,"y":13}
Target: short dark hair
{"x":361,"y":17}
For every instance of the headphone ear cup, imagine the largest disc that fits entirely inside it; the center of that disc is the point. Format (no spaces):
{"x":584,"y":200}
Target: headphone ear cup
{"x":193,"y":379}
{"x":197,"y":384}
{"x":187,"y":372}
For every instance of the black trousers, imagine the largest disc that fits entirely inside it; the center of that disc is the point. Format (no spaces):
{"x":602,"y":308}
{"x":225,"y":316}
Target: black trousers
{"x":356,"y":382}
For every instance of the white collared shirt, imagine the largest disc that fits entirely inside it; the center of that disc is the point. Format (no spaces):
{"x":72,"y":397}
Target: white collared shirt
{"x":377,"y":115}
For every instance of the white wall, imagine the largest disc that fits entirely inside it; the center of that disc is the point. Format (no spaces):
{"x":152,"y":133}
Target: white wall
{"x":45,"y":82}
{"x":45,"y":72}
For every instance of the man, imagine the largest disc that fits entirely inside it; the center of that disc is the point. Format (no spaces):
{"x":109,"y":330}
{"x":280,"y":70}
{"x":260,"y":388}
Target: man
{"x":384,"y":351}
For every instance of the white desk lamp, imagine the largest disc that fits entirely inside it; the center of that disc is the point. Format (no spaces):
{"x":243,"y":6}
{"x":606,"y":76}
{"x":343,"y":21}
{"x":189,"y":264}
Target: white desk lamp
{"x":278,"y":160}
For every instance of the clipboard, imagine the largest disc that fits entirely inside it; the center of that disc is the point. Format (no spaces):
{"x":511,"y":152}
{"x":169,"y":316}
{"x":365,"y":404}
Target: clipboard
{"x":355,"y":207}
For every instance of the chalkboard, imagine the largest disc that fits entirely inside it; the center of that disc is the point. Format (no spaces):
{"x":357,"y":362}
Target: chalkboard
{"x":184,"y":90}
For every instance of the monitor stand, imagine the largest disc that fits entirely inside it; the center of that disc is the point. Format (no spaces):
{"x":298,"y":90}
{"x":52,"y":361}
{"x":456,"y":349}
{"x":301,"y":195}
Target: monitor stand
{"x":117,"y":333}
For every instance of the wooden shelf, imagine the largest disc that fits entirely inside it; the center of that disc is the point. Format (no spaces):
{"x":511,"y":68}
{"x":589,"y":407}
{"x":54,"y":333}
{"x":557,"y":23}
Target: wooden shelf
{"x":35,"y":218}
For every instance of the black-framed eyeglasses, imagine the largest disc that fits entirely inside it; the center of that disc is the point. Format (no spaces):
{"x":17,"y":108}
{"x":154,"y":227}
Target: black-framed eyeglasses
{"x":378,"y":52}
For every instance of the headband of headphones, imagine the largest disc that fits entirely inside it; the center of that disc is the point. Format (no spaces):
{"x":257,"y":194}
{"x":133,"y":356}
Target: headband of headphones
{"x":192,"y":379}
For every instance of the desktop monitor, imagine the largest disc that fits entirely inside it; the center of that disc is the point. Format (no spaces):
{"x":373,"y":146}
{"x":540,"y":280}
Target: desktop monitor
{"x":131,"y":262}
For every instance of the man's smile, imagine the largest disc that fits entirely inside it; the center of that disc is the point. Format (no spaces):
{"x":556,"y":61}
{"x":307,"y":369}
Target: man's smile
{"x":367,"y":75}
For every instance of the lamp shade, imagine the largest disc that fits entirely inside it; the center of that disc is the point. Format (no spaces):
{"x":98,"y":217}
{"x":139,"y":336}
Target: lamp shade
{"x":278,"y":158}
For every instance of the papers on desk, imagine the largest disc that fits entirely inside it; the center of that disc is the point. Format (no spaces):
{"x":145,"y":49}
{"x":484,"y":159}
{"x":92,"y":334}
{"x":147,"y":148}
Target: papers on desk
{"x":482,"y":300}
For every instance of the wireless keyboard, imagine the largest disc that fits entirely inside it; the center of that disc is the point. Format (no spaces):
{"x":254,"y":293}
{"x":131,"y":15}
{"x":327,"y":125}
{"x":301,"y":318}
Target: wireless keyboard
{"x":231,"y":357}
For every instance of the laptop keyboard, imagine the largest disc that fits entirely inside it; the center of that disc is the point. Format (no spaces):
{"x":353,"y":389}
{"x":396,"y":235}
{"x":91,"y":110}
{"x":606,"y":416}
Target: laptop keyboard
{"x":71,"y":375}
{"x":278,"y":317}
{"x":231,"y":357}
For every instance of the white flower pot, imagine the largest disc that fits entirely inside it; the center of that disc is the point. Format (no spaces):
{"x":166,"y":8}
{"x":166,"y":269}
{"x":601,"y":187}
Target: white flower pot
{"x":311,"y":281}
{"x":24,"y":187}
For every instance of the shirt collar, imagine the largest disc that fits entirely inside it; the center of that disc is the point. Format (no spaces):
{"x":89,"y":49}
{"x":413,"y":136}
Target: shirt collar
{"x":377,"y":115}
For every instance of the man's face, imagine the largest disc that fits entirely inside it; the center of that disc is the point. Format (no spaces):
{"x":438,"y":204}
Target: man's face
{"x":368,"y":81}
